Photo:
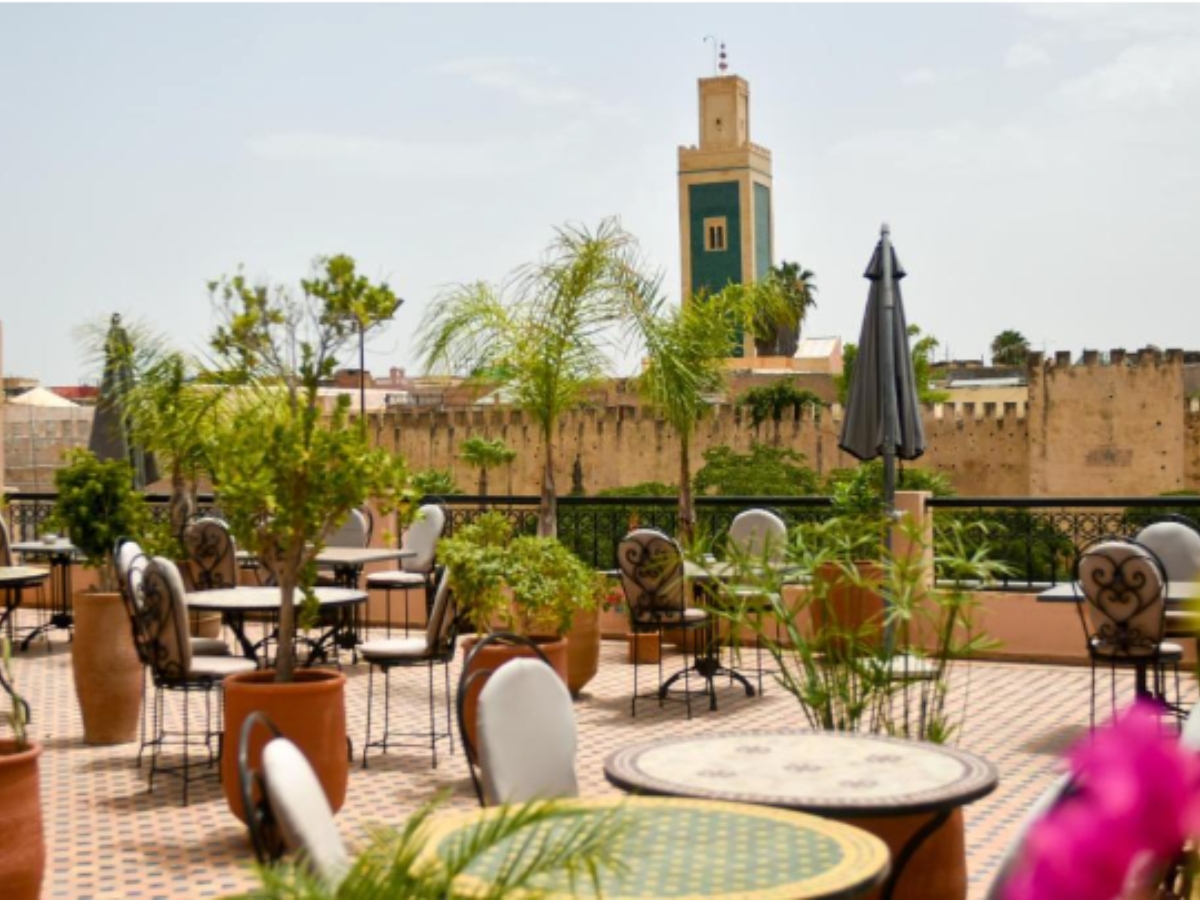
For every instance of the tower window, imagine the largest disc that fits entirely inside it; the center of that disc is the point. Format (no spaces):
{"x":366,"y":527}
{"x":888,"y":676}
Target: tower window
{"x":714,"y":234}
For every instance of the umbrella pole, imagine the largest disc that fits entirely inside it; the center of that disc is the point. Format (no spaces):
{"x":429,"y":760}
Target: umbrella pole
{"x":887,"y":378}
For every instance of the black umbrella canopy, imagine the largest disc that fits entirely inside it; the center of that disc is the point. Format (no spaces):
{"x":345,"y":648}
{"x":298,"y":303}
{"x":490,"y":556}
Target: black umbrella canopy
{"x":883,"y":416}
{"x":110,"y":432}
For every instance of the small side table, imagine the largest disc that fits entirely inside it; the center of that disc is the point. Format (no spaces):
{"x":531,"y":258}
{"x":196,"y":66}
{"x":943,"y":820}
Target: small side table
{"x":61,"y":554}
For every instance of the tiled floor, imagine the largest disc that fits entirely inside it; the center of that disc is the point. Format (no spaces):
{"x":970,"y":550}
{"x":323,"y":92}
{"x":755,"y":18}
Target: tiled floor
{"x":107,"y":837}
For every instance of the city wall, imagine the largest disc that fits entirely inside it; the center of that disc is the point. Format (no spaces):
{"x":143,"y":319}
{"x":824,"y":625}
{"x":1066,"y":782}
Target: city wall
{"x":1124,"y":426}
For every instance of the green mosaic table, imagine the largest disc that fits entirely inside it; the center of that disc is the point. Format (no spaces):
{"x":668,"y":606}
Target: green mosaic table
{"x":681,"y":849}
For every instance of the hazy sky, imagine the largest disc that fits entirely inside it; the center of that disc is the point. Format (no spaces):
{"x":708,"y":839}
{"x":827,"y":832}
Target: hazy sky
{"x":1039,"y":165}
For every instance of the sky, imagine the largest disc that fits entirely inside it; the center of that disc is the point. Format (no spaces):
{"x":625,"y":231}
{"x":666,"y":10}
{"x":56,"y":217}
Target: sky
{"x":1038,"y":164}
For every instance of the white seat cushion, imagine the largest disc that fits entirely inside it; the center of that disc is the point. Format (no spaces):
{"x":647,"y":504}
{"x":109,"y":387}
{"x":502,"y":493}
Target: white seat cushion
{"x":219,"y":666}
{"x":395,"y":648}
{"x":302,"y":810}
{"x":396,"y":579}
{"x":668,"y":617}
{"x":526,"y":732}
{"x":1167,"y":652}
{"x":202,"y":646}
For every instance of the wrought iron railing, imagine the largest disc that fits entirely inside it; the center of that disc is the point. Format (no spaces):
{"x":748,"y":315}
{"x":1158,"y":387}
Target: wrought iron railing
{"x":1037,"y":538}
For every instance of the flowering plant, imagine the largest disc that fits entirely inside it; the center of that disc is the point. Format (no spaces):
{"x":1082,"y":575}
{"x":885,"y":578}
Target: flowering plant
{"x":1134,"y":803}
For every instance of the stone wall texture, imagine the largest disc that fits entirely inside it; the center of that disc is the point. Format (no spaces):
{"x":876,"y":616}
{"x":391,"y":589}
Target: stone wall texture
{"x":1122,"y":428}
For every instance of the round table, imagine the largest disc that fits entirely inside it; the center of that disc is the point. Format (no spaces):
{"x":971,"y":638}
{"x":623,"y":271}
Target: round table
{"x":909,"y":793}
{"x":234,"y":604}
{"x":674,"y":848}
{"x":61,"y":554}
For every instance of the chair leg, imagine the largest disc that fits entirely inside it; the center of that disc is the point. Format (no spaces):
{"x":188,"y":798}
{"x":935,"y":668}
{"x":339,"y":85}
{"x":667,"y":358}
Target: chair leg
{"x":432,"y":718}
{"x":370,"y":705}
{"x":446,"y":697}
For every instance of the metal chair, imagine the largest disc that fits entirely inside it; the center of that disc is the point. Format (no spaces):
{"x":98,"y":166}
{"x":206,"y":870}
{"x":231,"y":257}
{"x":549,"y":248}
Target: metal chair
{"x":415,"y":572}
{"x":161,"y":632}
{"x":210,"y":555}
{"x":1123,"y":614}
{"x":652,"y":577}
{"x":286,"y":807}
{"x":472,"y":681}
{"x":1175,"y":540}
{"x":757,"y":540}
{"x":435,"y":648}
{"x":12,"y":595}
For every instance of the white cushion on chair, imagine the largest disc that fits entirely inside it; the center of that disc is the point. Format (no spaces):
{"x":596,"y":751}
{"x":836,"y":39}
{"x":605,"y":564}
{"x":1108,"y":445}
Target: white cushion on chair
{"x":396,"y":579}
{"x":394,"y":648}
{"x":219,"y":666}
{"x":526,"y":734}
{"x":422,"y":538}
{"x":1177,"y":547}
{"x":202,"y":646}
{"x":302,"y":810}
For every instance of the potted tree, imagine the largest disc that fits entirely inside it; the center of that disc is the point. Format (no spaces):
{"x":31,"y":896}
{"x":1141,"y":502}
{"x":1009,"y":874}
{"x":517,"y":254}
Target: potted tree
{"x":532,"y":586}
{"x":286,"y":472}
{"x":96,"y":506}
{"x":22,"y":844}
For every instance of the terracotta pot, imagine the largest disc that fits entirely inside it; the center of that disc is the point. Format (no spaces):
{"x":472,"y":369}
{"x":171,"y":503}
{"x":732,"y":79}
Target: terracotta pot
{"x":22,"y":845}
{"x":493,"y":657}
{"x":643,"y":648}
{"x":850,"y":606}
{"x":583,"y":650}
{"x":108,"y":674}
{"x":938,"y":870}
{"x":310,"y":711}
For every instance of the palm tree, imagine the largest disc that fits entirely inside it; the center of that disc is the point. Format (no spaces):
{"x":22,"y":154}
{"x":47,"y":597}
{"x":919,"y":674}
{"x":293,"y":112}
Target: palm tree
{"x":799,"y":288}
{"x":542,"y":335}
{"x":1009,"y":348}
{"x":686,"y":348}
{"x":482,"y":454}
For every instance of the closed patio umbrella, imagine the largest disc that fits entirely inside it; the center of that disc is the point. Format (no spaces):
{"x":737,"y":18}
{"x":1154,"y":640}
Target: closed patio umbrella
{"x":883,"y":415}
{"x":110,"y":432}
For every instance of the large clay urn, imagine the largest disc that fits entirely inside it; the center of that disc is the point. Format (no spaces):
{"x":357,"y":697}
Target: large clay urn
{"x":22,"y":846}
{"x":310,"y":711}
{"x":492,"y":657}
{"x":583,"y":650}
{"x":108,"y":674}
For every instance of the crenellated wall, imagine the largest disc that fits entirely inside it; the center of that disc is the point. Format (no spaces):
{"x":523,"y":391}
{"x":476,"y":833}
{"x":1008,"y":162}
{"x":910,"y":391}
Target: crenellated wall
{"x":1121,"y":426}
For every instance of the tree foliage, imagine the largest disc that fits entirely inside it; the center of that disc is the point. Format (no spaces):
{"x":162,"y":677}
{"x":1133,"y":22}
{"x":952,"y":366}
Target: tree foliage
{"x":1009,"y":348}
{"x":482,"y":454}
{"x":922,"y":359}
{"x":772,"y":401}
{"x":764,"y":471}
{"x":798,"y":287}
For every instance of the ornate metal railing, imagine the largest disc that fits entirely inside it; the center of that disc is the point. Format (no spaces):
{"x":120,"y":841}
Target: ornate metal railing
{"x":592,"y":526}
{"x":1039,"y":538}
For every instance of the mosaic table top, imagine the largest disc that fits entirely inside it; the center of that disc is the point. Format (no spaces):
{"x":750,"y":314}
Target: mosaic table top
{"x":679,"y":849}
{"x":21,"y":575}
{"x":825,"y":772}
{"x":265,"y":599}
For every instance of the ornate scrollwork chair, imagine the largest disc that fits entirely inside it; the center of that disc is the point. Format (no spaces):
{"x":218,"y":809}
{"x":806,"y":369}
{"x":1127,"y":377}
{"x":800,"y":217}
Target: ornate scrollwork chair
{"x":656,"y":592}
{"x":435,"y":648}
{"x":286,"y":807}
{"x":757,"y":538}
{"x":161,"y":631}
{"x":1123,"y":612}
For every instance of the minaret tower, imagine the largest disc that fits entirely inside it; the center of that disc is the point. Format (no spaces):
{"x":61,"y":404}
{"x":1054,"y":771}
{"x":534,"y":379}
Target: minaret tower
{"x":725,"y":221}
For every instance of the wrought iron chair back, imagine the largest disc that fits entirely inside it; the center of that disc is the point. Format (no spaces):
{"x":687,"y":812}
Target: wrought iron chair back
{"x":6,"y":558}
{"x":652,"y":576}
{"x":163,"y":621}
{"x":135,"y":563}
{"x":211,"y":555}
{"x":265,"y":834}
{"x":1125,"y":593}
{"x":441,"y":631}
{"x":471,"y":681}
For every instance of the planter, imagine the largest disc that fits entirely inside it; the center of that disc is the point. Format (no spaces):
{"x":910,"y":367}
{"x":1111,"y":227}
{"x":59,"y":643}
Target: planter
{"x":310,"y":712}
{"x":493,"y":657}
{"x":644,"y":648}
{"x":108,"y":674}
{"x":22,"y":846}
{"x":205,"y":625}
{"x":583,"y":650}
{"x":938,"y":870}
{"x":849,"y":607}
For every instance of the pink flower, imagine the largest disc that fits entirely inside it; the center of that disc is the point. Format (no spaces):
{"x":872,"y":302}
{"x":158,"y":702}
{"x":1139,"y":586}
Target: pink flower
{"x":1136,"y":801}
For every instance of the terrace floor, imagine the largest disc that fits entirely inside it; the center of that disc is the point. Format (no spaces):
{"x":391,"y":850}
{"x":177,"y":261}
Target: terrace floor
{"x":107,"y":837}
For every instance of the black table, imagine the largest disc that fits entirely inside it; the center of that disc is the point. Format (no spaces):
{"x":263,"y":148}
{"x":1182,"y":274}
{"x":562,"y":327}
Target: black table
{"x":13,"y":581}
{"x":61,"y":554}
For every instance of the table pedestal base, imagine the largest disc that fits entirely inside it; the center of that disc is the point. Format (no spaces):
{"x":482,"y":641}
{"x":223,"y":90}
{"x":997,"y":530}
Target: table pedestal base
{"x":937,"y":870}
